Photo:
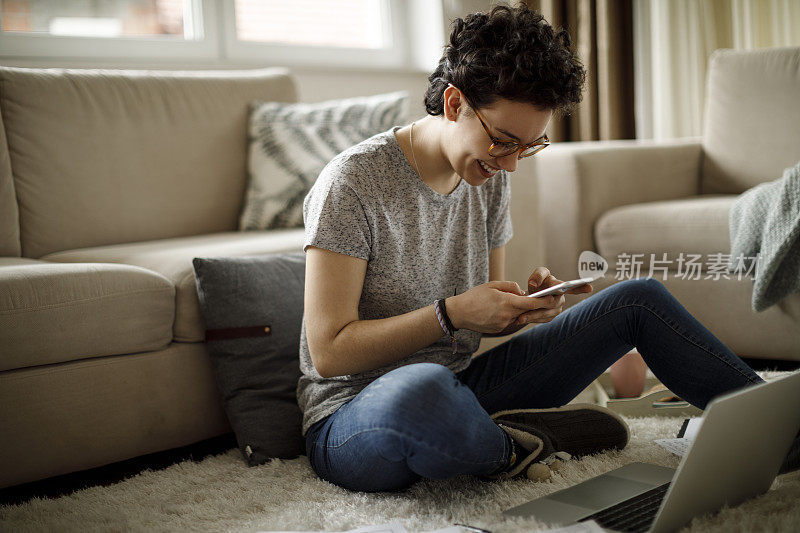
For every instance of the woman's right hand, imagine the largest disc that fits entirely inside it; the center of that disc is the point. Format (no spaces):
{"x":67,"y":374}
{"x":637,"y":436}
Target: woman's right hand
{"x":494,"y":306}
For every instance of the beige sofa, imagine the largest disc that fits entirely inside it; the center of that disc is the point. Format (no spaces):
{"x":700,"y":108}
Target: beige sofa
{"x":110,"y":183}
{"x":671,"y":197}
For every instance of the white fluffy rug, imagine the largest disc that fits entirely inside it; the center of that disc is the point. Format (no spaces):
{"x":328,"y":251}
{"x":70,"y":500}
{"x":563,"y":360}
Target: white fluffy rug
{"x":222,"y":494}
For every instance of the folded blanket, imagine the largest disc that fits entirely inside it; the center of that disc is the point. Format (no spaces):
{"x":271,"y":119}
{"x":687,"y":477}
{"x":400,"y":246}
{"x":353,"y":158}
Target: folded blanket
{"x":765,"y":221}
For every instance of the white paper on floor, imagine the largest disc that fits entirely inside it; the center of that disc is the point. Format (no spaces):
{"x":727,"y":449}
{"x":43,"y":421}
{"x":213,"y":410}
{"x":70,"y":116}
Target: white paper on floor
{"x":680,"y":447}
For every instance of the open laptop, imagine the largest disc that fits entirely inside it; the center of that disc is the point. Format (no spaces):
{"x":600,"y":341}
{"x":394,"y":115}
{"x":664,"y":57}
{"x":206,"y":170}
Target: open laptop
{"x":736,"y":454}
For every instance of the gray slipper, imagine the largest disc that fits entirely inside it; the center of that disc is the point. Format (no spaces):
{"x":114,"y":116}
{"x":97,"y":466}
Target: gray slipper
{"x":544,"y":437}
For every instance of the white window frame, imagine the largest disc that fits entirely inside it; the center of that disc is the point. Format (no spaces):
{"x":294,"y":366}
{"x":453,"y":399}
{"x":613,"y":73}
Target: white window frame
{"x":394,"y":56}
{"x":24,"y":45}
{"x":219,"y":46}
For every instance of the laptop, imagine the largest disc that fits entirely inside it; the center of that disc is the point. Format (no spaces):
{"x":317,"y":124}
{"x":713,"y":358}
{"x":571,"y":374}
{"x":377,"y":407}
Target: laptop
{"x":736,"y":454}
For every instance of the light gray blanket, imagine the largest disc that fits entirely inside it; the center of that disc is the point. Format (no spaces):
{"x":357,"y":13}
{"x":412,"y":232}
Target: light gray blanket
{"x":765,"y":220}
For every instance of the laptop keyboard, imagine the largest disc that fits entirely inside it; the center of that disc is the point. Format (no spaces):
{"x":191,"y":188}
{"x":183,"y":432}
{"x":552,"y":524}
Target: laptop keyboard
{"x":633,"y":515}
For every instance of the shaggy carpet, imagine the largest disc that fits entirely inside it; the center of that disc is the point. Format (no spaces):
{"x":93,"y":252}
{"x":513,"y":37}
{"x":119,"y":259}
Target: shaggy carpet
{"x":220,"y":493}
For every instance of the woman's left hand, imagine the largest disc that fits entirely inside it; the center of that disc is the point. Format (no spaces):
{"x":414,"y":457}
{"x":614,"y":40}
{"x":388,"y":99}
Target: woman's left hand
{"x":542,"y":279}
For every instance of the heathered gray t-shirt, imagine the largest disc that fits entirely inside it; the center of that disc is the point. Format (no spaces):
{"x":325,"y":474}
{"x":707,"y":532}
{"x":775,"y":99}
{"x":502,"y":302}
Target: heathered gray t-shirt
{"x":420,"y":246}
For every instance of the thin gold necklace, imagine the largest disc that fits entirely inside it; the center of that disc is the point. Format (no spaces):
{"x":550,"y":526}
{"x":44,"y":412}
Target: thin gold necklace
{"x":414,"y":155}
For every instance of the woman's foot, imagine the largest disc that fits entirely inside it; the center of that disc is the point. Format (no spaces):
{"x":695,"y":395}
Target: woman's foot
{"x":542,"y":438}
{"x":628,"y":375}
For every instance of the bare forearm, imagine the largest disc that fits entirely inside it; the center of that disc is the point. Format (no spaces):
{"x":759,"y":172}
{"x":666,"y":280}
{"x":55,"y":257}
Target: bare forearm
{"x":364,"y":345}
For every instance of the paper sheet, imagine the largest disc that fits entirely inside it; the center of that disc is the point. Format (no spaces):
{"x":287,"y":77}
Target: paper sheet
{"x":677,"y":446}
{"x":680,"y":447}
{"x":693,"y":428}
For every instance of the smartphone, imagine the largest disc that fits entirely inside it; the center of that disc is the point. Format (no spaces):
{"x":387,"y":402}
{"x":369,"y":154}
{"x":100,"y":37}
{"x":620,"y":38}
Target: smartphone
{"x":561,"y":287}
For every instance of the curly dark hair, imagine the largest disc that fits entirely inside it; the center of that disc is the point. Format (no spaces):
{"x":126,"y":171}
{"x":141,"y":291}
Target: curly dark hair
{"x":510,"y":53}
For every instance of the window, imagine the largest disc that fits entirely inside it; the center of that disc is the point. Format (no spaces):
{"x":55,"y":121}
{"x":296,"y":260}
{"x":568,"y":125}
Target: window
{"x":316,"y":32}
{"x":139,"y":29}
{"x":346,"y":23}
{"x":103,"y":18}
{"x":335,"y":33}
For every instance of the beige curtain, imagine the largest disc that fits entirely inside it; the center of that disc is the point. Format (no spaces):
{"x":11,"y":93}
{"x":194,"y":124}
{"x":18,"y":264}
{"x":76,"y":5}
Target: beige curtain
{"x":674,"y":39}
{"x":602,"y":32}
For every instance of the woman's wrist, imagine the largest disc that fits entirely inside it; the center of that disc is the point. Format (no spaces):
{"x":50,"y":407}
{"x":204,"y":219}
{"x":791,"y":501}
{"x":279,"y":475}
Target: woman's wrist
{"x":453,"y":313}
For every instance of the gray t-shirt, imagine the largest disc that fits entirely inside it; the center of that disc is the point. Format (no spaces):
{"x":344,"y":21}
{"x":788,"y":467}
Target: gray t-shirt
{"x":420,"y":246}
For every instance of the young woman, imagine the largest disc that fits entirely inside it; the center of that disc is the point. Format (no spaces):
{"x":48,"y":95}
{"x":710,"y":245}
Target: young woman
{"x":405,"y":237}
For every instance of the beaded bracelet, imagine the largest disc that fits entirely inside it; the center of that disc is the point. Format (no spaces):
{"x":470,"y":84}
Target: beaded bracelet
{"x":446,"y":317}
{"x":444,"y":321}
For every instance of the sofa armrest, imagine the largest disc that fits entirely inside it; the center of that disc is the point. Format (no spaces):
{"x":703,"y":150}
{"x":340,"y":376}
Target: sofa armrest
{"x":578,"y":182}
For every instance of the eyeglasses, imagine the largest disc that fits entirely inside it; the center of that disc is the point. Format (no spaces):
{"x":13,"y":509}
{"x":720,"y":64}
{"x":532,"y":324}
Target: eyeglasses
{"x":501,"y":148}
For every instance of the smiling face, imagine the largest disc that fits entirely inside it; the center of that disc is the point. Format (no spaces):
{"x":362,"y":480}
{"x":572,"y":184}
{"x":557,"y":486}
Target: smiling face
{"x":467,"y":143}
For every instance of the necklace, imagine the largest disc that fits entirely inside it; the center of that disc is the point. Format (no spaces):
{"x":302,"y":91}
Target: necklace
{"x":411,"y":140}
{"x":414,"y":155}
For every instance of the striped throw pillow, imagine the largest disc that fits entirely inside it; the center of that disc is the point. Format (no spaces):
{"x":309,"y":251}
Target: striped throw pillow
{"x":289,"y":144}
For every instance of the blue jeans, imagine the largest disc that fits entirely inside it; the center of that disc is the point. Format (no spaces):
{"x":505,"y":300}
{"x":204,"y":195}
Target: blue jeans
{"x":424,"y":420}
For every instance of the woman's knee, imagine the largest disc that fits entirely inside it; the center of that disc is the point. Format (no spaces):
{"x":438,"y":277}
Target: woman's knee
{"x":411,"y":380}
{"x":418,"y":386}
{"x":646,"y":283}
{"x":425,"y":371}
{"x":645,"y":288}
{"x":414,"y":402}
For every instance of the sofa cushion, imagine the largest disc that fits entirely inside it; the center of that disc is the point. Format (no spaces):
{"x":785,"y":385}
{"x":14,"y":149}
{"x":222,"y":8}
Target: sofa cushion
{"x":697,"y":225}
{"x":52,"y":313}
{"x":751,"y":119}
{"x":172,"y":258}
{"x":290,"y":144}
{"x":253,"y":309}
{"x":140,"y":155}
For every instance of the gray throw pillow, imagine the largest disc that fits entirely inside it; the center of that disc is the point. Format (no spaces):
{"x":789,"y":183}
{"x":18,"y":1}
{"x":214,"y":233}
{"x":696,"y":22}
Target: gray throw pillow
{"x":290,"y":144}
{"x":252,"y":307}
